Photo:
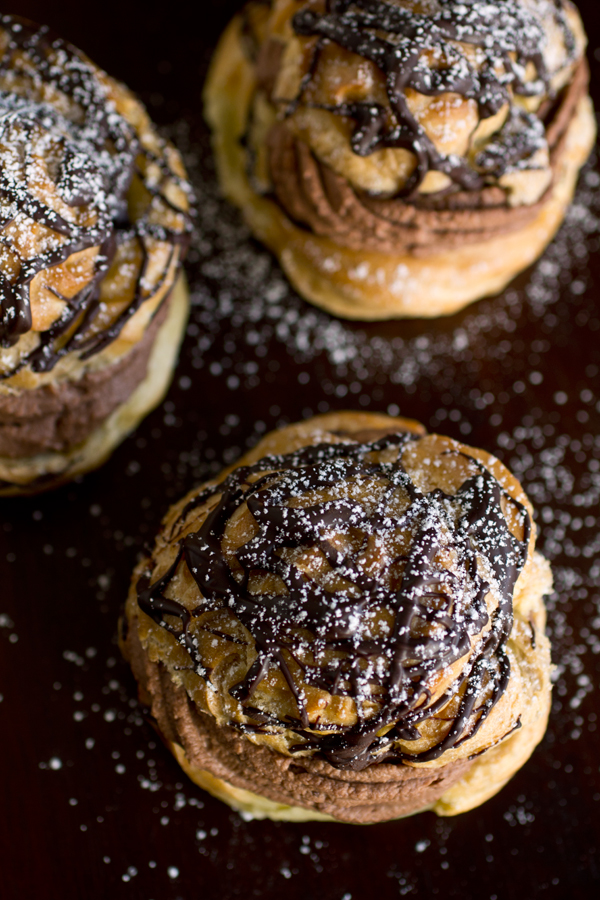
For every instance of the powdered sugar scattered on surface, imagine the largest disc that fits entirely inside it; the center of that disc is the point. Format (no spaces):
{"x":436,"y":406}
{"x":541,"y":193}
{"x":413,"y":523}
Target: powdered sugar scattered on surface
{"x":478,"y":376}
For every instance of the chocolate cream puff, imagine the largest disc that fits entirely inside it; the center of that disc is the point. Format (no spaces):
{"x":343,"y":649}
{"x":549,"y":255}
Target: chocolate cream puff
{"x":347,"y":625}
{"x":94,"y":222}
{"x":401,"y":157}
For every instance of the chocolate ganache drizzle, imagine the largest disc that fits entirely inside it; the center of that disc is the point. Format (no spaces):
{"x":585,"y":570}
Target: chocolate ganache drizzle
{"x":507,"y":36}
{"x":440,"y":612}
{"x":54,"y":106}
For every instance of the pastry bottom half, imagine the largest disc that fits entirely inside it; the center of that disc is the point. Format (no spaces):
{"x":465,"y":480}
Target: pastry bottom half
{"x":87,"y":419}
{"x":368,"y":285}
{"x":262,"y":783}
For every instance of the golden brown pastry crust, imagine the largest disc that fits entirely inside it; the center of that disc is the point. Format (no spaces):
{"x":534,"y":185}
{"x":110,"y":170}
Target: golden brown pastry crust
{"x":426,"y":258}
{"x":201,"y":723}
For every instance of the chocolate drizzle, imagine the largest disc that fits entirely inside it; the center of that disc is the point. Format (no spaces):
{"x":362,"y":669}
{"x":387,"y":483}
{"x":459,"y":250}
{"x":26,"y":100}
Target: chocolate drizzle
{"x":439,"y":610}
{"x":508,"y":38}
{"x":54,"y":104}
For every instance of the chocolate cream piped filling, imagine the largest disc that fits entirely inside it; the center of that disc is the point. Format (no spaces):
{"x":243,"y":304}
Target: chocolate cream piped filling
{"x":94,"y":206}
{"x":349,"y":578}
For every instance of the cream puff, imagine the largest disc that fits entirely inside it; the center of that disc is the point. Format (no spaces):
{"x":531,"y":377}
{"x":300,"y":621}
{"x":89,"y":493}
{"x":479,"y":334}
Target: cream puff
{"x":94,"y":223}
{"x":401,"y":158}
{"x":347,"y":625}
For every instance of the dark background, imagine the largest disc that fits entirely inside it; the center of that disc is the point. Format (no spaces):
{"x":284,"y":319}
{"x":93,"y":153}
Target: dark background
{"x":92,"y":805}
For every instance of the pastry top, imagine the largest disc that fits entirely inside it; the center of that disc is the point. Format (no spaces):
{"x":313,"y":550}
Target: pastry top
{"x":348,"y":590}
{"x":416,"y":98}
{"x":95,"y":209}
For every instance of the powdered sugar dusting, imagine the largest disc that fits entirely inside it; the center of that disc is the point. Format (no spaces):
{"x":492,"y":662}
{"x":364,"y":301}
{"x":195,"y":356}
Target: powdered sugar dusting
{"x":517,"y":375}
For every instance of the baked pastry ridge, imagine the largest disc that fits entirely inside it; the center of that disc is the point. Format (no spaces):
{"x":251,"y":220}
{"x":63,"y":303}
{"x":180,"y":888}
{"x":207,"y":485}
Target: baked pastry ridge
{"x":401,"y":158}
{"x":94,"y":225}
{"x":348,"y":624}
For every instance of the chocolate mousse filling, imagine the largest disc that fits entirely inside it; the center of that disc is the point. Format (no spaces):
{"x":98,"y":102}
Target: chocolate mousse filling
{"x":315,"y":196}
{"x":58,"y":417}
{"x":376,"y":795}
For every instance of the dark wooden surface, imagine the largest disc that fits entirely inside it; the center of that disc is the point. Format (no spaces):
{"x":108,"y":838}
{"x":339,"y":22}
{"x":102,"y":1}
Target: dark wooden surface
{"x":92,"y":805}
